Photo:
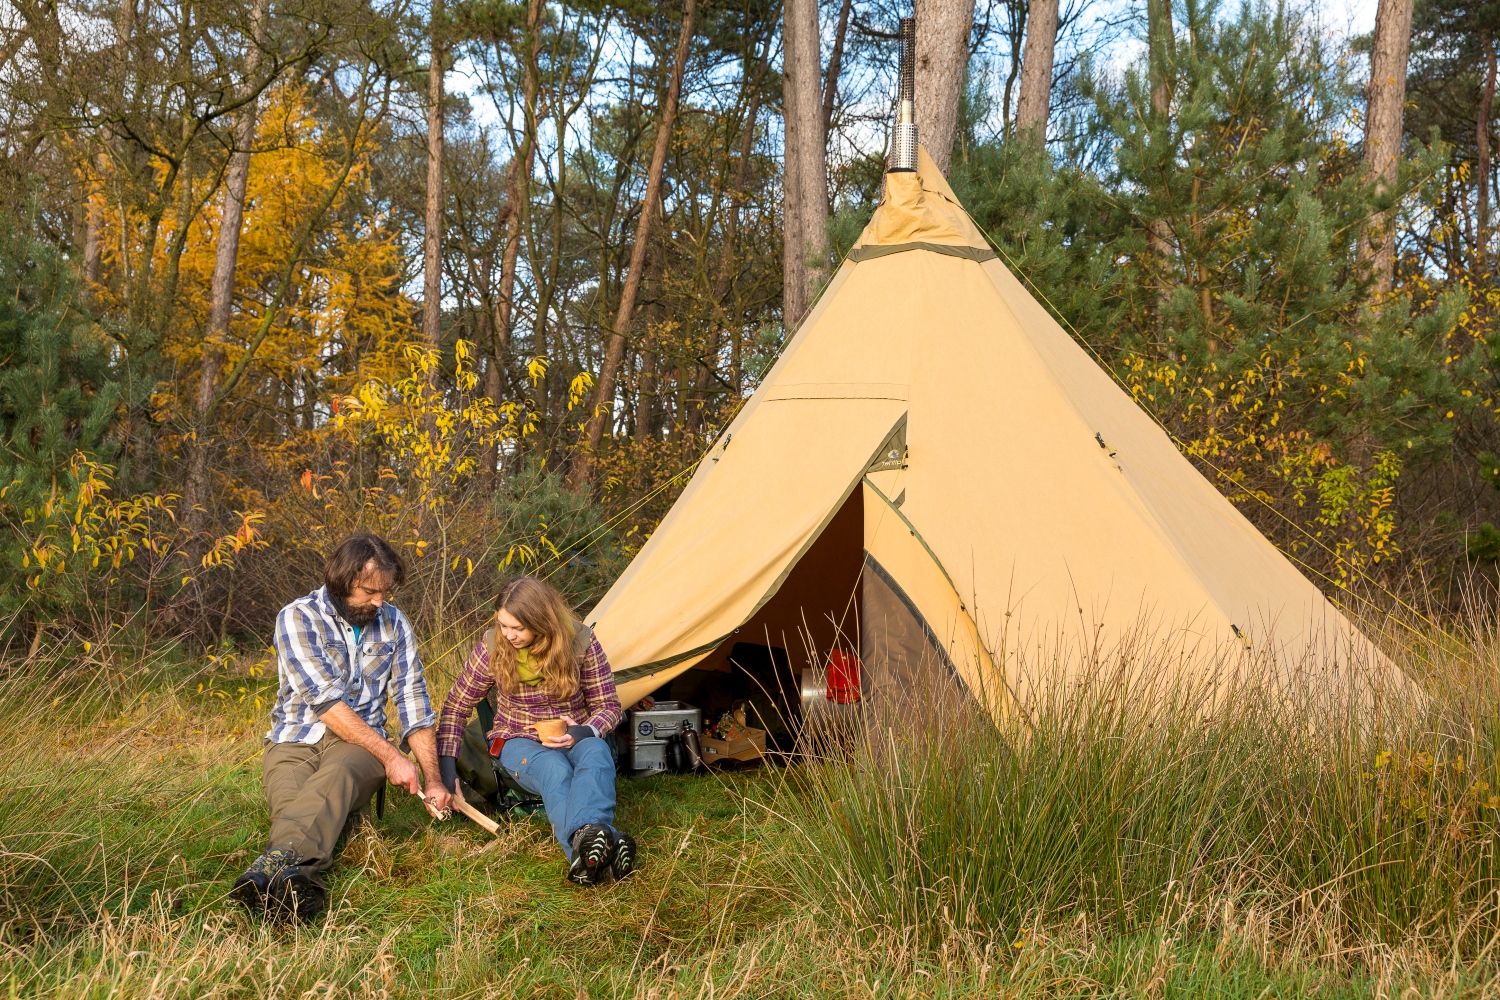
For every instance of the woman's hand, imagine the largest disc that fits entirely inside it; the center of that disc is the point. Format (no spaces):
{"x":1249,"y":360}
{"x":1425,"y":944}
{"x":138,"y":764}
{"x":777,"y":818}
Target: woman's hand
{"x":562,"y":742}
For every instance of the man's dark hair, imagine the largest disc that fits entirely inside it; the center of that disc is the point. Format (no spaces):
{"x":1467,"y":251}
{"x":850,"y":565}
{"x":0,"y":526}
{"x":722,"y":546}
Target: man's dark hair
{"x":348,"y":561}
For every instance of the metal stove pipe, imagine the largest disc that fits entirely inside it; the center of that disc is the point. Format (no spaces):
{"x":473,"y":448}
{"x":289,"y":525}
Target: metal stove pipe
{"x":904,"y":139}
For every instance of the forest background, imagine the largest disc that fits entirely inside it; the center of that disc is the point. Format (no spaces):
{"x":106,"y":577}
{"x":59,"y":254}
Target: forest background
{"x":488,"y":277}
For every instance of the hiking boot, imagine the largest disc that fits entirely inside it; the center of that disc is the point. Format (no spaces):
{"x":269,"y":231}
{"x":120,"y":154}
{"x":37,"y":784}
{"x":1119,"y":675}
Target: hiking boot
{"x":593,"y":851}
{"x":252,"y":888}
{"x":295,"y":896}
{"x":624,"y":864}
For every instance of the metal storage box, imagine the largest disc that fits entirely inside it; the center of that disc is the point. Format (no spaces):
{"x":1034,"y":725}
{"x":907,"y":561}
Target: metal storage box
{"x":648,"y":729}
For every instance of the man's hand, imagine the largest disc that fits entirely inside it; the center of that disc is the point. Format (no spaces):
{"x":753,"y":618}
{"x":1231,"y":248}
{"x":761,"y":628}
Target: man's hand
{"x":350,"y":728}
{"x":399,"y":771}
{"x":424,"y":746}
{"x":403,"y":774}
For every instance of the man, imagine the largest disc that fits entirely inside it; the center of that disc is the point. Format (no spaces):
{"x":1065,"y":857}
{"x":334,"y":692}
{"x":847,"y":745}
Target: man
{"x":340,"y":650}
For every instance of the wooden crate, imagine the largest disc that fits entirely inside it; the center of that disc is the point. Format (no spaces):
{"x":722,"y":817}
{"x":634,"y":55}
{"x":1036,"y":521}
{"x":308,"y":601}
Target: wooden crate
{"x":752,"y":746}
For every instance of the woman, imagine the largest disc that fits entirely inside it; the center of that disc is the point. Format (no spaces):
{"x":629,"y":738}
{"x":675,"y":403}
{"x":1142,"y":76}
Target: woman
{"x":543,"y":665}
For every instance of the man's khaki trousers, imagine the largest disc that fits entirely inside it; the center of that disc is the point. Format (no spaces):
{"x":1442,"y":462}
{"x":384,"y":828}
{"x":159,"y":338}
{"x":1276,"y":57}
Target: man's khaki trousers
{"x":314,"y":790}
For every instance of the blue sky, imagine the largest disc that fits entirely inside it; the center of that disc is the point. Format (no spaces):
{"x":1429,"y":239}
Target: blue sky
{"x":1341,"y":18}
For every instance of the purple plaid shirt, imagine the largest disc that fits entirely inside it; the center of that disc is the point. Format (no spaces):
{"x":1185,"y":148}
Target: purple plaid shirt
{"x":593,"y":704}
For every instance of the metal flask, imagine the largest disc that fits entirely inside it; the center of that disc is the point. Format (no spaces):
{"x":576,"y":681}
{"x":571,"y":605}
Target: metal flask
{"x":677,"y":755}
{"x":693,"y":748}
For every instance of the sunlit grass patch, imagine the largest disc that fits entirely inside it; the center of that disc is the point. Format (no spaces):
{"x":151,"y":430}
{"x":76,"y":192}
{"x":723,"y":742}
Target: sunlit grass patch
{"x":1108,"y":852}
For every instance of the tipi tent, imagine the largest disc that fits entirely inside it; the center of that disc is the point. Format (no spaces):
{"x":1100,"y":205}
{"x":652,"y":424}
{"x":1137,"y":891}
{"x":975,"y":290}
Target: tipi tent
{"x":934,"y":468}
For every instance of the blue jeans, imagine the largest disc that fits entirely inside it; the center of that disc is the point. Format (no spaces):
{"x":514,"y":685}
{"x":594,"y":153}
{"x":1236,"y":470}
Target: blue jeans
{"x":577,"y":785}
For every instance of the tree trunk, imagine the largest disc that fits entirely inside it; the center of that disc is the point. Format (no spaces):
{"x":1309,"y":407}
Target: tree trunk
{"x":1387,"y":94}
{"x":432,"y":243}
{"x":1036,"y":71}
{"x":805,"y":166}
{"x":93,"y":249}
{"x":1200,"y":272}
{"x":645,"y":397}
{"x":1160,"y":40}
{"x":1015,"y":34}
{"x":835,"y":65}
{"x":604,"y":395}
{"x":283,"y":282}
{"x":517,"y":183}
{"x":494,"y":324}
{"x":943,"y":28}
{"x":651,"y":404}
{"x":124,"y":26}
{"x":505,"y":307}
{"x":489,"y":459}
{"x":140,"y":301}
{"x":1482,"y":137}
{"x":741,"y":182}
{"x":547,"y":280}
{"x":1161,"y":43}
{"x":725,"y":278}
{"x":188,"y":207}
{"x":221,"y":285}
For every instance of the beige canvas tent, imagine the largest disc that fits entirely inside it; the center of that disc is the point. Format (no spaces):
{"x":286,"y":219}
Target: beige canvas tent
{"x":935,"y":469}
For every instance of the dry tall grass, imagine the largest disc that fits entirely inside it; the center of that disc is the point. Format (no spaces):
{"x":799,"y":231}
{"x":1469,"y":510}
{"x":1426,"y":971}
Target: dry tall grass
{"x":1124,"y":850}
{"x":1314,"y":832}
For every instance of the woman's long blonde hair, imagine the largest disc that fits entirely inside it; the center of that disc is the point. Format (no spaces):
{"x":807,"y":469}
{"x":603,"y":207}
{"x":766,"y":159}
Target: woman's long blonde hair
{"x":538,"y":606}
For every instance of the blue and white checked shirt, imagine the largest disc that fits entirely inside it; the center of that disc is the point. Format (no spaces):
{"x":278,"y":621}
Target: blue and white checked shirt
{"x":319,"y":664}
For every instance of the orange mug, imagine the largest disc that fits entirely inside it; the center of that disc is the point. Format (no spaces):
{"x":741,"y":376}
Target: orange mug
{"x":551,"y":729}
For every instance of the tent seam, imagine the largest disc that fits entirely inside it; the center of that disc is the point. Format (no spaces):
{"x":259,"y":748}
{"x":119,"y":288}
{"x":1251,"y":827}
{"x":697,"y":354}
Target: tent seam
{"x":976,"y":254}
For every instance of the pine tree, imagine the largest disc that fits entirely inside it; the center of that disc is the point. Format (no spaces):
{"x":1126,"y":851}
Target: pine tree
{"x":1252,"y":337}
{"x":58,"y":393}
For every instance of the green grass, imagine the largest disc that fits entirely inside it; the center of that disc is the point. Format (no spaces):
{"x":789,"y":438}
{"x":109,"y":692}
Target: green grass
{"x":1144,"y":814}
{"x":127,"y":814}
{"x":130,"y":798}
{"x":1313,"y":832}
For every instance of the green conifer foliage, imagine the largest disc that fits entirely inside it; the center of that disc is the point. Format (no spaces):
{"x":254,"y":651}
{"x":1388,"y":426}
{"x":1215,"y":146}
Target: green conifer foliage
{"x":58,"y":393}
{"x":1207,"y":252}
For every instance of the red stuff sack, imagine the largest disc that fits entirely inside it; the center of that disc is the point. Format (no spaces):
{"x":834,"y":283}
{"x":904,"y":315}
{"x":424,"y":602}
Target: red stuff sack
{"x":843,"y":678}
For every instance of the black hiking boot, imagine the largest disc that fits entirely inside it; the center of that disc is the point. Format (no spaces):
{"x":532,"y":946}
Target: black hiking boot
{"x":295,"y":896}
{"x":593,"y":852}
{"x":624,"y":864}
{"x":251,"y":890}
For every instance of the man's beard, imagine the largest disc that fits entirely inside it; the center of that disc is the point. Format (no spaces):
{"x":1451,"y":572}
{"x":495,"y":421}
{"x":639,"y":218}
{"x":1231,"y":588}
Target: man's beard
{"x":358,"y":617}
